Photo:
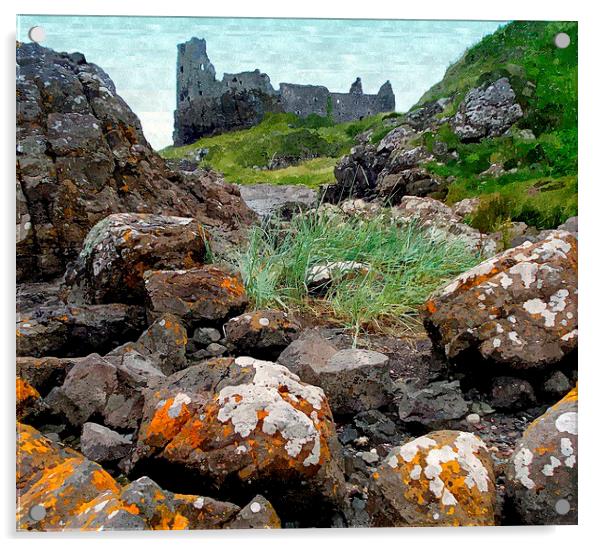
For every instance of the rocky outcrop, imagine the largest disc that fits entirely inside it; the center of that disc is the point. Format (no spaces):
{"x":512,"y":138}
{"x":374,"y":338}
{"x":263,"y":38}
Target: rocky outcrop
{"x":542,"y":472}
{"x":517,"y":309}
{"x":81,"y":156}
{"x":486,"y":111}
{"x":444,"y":478}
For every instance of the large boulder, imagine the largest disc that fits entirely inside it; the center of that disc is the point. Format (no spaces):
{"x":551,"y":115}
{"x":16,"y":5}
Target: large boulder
{"x":81,"y":156}
{"x":517,"y":309}
{"x":243,"y":425}
{"x":120,"y":248}
{"x":444,"y":478}
{"x":47,"y":326}
{"x":102,"y":444}
{"x":261,"y":333}
{"x":203,"y":295}
{"x":486,"y":111}
{"x":542,"y":472}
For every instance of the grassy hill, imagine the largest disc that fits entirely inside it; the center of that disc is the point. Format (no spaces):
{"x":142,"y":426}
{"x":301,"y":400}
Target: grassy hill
{"x":313,"y":145}
{"x":540,"y":182}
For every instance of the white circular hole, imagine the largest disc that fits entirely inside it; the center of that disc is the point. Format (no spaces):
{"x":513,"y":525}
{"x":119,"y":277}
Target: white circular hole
{"x":37,"y":34}
{"x":37,"y":512}
{"x":562,"y":507}
{"x":562,"y":40}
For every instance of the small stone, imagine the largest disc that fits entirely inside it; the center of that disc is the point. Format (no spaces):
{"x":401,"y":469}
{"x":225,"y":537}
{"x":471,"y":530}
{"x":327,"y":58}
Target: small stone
{"x":369,"y":457}
{"x":203,"y":336}
{"x":216,"y":349}
{"x":473,"y":419}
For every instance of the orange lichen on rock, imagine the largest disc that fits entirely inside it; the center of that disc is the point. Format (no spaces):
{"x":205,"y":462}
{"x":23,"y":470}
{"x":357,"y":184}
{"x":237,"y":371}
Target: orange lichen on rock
{"x":441,"y":479}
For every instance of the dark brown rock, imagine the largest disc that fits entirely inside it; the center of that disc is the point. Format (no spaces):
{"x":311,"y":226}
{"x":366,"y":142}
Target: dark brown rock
{"x":262,"y":333}
{"x":199,"y":296}
{"x":81,"y":156}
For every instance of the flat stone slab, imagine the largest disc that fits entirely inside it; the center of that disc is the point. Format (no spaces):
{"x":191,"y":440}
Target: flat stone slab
{"x":266,"y":199}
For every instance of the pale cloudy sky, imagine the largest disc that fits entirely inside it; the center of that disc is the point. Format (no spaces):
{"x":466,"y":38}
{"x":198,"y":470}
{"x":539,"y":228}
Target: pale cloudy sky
{"x":139,"y":53}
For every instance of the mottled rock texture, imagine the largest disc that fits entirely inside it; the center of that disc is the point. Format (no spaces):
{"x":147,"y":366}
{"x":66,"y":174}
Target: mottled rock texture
{"x":78,"y":494}
{"x":444,"y":478}
{"x":261,"y":333}
{"x":542,"y":471}
{"x":122,"y":247}
{"x":203,"y":295}
{"x":242,"y":425}
{"x":517,"y":309}
{"x":81,"y":155}
{"x":487,"y":111}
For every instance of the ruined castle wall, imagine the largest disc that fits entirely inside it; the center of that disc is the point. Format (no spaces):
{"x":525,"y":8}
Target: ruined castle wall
{"x":207,"y":106}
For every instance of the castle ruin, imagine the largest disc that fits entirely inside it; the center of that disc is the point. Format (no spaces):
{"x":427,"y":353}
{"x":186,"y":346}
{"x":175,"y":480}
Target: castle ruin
{"x":208,"y":106}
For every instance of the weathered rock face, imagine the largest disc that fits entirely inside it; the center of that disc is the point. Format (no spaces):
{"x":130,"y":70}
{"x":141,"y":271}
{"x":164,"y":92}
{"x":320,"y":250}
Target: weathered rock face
{"x":442,"y":223}
{"x":444,"y":478}
{"x":163,"y":345}
{"x":355,"y":380}
{"x":120,"y":248}
{"x":258,"y":513}
{"x":95,"y":387}
{"x":487,"y":111}
{"x":242,"y":425}
{"x":28,"y":399}
{"x":282,"y":199}
{"x":78,"y":494}
{"x":511,"y":393}
{"x":262,"y":333}
{"x":81,"y":155}
{"x":525,"y":315}
{"x":198,"y":296}
{"x":542,"y":472}
{"x":102,"y":444}
{"x":46,"y":326}
{"x":433,"y":406}
{"x":307,"y":355}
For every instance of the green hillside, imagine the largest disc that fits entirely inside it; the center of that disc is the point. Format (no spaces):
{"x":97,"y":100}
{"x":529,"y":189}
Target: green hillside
{"x":540,"y":183}
{"x":312,"y":145}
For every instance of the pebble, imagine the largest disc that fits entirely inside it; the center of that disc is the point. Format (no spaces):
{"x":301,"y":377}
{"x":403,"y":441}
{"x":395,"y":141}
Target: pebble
{"x":473,"y":419}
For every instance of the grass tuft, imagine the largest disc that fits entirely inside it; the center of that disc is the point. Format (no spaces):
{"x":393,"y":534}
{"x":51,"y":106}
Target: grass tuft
{"x":406,"y":265}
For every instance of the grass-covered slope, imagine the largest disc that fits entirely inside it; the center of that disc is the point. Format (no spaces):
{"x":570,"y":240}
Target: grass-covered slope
{"x":313,"y":145}
{"x":540,"y":183}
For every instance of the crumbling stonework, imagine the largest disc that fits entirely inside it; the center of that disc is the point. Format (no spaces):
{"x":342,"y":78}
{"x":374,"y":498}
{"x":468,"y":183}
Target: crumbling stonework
{"x":206,"y":105}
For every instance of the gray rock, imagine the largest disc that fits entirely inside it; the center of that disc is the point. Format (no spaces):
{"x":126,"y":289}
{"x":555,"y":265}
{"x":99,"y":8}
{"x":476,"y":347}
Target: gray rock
{"x":375,"y":425}
{"x":269,"y":199}
{"x":216,"y":350}
{"x":487,"y":111}
{"x":370,"y":457}
{"x":355,"y":380}
{"x":307,"y":355}
{"x":571,"y":225}
{"x":203,"y":336}
{"x":433,"y":406}
{"x":102,"y":444}
{"x":511,"y":393}
{"x":556,"y":385}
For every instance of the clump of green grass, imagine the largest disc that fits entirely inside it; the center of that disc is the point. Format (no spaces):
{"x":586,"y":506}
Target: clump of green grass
{"x":406,"y":265}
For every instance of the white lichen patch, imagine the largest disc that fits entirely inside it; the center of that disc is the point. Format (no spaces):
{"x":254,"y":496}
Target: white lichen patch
{"x":548,"y":469}
{"x":522,"y":461}
{"x":199,"y":503}
{"x":240,"y":405}
{"x":536,"y":306}
{"x":527,"y":272}
{"x":175,"y":409}
{"x":567,"y":423}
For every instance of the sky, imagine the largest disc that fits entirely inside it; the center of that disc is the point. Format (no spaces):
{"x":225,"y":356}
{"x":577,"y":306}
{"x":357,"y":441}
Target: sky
{"x":139,"y":54}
